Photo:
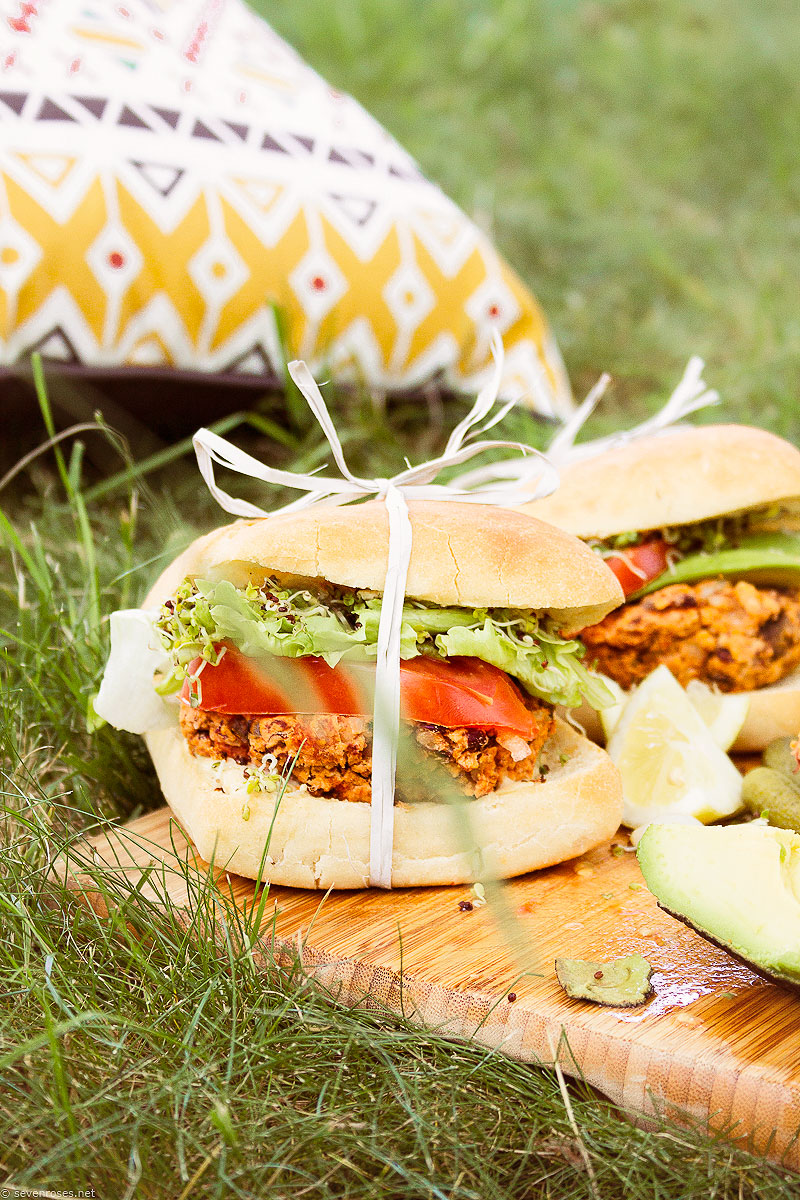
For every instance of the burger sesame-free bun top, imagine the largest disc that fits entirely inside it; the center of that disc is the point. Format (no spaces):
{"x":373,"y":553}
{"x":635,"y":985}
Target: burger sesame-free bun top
{"x":465,"y":555}
{"x":672,"y":478}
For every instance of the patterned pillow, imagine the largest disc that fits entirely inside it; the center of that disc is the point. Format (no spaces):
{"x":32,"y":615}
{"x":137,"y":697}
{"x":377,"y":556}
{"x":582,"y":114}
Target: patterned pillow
{"x":177,"y":184}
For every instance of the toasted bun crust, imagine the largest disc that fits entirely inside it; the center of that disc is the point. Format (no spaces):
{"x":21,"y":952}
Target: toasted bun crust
{"x":673,"y":478}
{"x":774,"y":712}
{"x":319,"y":843}
{"x":470,"y":555}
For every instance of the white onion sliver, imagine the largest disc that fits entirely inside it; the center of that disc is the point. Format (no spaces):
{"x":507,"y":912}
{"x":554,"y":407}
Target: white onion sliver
{"x":516,"y":746}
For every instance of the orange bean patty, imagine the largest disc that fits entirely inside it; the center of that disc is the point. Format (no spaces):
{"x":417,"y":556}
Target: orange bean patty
{"x":334,"y":753}
{"x":735,"y":635}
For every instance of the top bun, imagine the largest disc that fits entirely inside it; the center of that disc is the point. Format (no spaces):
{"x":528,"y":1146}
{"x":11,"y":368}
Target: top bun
{"x":672,"y":478}
{"x":469,"y":555}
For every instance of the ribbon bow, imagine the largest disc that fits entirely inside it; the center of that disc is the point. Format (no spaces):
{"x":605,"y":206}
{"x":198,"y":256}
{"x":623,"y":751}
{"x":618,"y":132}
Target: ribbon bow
{"x":535,"y":477}
{"x":689,"y":396}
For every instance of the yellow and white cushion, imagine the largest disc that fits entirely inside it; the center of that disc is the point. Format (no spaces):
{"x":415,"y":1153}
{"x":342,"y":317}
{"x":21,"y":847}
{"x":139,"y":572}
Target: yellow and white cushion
{"x":176,"y":182}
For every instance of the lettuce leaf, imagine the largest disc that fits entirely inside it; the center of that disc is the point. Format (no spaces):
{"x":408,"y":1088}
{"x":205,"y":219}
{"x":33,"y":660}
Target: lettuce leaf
{"x":551,"y":668}
{"x":260,"y":623}
{"x":258,"y":630}
{"x":127,"y":699}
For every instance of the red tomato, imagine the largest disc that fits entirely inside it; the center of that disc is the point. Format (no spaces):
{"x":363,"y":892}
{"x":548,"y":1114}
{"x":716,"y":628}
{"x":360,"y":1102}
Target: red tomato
{"x":462,"y":691}
{"x":458,"y":691}
{"x":636,"y":566}
{"x":238,"y":684}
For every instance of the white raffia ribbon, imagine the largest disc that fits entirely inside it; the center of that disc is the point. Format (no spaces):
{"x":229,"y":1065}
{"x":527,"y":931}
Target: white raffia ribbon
{"x":690,"y":395}
{"x":533,"y":475}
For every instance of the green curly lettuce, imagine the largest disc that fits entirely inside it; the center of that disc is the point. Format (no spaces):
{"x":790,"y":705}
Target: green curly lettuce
{"x":712,"y":536}
{"x":519,"y":643}
{"x":343,"y":626}
{"x":259,"y":621}
{"x":545,"y":664}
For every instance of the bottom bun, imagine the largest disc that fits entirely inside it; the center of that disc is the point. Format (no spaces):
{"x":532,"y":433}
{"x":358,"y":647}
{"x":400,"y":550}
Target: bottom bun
{"x":774,"y":712}
{"x":322,"y":843}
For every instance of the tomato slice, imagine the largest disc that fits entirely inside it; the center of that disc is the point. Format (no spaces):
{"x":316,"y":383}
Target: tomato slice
{"x":455,"y":692}
{"x":462,"y":691}
{"x":238,"y":684}
{"x":638,"y":565}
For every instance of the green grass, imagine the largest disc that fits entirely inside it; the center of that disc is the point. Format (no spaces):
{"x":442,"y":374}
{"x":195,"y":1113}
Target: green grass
{"x":638,"y":166}
{"x":636,"y":162}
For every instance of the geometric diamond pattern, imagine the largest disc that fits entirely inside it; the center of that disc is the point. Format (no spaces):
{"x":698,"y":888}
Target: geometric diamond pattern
{"x":218,"y":270}
{"x":493,"y":304}
{"x":408,"y":296}
{"x":318,"y":283}
{"x":114,"y":258}
{"x":19,"y":254}
{"x":173,"y":174}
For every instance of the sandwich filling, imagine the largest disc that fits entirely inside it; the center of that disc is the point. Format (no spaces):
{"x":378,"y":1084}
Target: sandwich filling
{"x":280,"y":679}
{"x":332,"y":754}
{"x":717,"y":601}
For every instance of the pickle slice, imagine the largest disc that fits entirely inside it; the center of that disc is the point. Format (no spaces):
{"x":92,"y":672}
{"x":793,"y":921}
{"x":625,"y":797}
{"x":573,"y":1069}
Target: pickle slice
{"x":774,"y":795}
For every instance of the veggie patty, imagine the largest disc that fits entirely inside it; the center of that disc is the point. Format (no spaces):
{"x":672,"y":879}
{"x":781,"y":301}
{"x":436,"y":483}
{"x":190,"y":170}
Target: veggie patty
{"x":735,"y":635}
{"x":334,"y":753}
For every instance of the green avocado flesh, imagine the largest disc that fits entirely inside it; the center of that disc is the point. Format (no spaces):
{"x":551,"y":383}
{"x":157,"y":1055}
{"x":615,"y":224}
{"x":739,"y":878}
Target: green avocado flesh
{"x":760,"y":557}
{"x":620,"y":983}
{"x":737,"y":885}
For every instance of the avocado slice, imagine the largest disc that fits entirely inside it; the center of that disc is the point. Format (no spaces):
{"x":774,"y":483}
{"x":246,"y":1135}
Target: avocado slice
{"x":737,"y":885}
{"x":620,"y":983}
{"x":760,"y":557}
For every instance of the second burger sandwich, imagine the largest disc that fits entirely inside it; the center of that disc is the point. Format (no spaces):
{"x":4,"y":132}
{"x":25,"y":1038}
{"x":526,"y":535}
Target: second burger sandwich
{"x":270,"y":630}
{"x":698,"y":524}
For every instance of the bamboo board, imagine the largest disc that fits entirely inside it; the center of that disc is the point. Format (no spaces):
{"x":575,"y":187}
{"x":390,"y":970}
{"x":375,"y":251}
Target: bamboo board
{"x":717,"y":1041}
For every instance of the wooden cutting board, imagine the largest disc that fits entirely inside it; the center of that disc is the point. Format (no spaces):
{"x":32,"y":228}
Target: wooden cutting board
{"x":716,"y":1041}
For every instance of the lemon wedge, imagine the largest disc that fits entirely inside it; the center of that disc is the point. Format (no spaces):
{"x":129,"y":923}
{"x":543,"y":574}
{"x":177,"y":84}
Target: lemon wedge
{"x":723,"y":713}
{"x":668,"y":759}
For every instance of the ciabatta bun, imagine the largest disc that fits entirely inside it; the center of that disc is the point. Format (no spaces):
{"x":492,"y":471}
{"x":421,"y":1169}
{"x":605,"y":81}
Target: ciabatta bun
{"x":323,"y":843}
{"x":469,"y":555}
{"x":672,"y":478}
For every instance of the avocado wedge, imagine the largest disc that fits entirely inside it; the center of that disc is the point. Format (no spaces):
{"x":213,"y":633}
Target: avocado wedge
{"x":737,"y":885}
{"x":760,"y":557}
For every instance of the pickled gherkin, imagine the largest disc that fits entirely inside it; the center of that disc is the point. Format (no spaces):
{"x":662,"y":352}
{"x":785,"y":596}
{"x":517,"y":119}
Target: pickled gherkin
{"x":778,"y":755}
{"x":774,"y":795}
